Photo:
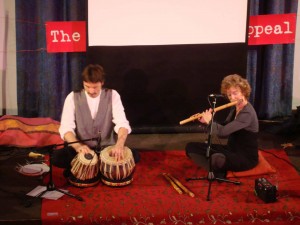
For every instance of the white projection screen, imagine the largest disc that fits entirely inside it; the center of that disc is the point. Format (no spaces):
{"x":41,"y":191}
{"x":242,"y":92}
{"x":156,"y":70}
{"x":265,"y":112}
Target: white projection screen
{"x":166,"y":56}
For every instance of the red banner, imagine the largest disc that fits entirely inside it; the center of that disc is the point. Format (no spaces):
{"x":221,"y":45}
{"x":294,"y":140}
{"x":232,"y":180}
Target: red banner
{"x":66,"y":36}
{"x":272,"y":29}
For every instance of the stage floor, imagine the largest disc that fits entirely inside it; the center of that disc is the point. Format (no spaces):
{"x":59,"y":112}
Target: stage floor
{"x":16,"y":208}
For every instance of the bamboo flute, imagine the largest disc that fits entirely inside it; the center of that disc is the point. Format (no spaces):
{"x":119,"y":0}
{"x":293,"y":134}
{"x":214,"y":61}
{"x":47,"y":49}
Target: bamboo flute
{"x":199,"y":115}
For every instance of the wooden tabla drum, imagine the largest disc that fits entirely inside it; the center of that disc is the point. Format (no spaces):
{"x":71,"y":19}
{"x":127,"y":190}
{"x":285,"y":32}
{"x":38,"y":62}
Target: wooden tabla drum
{"x":116,"y":173}
{"x":85,"y":170}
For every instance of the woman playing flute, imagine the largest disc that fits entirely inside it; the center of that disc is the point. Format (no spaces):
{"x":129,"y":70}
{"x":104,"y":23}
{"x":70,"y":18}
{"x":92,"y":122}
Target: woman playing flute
{"x":240,"y":128}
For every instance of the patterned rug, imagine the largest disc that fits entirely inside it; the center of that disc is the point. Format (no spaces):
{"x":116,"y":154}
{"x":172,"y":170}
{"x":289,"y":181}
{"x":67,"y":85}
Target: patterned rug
{"x":151,"y":198}
{"x":28,"y":132}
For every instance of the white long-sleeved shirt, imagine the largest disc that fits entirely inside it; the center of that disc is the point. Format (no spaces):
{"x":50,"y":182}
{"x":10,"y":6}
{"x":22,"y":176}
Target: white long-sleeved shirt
{"x":68,"y":114}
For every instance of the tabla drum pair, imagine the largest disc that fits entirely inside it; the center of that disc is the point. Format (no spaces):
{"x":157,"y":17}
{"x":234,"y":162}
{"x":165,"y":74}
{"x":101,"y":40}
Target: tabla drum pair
{"x":88,"y":169}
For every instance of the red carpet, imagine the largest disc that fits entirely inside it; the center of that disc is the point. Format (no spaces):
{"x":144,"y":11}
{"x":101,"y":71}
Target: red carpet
{"x":150,"y":199}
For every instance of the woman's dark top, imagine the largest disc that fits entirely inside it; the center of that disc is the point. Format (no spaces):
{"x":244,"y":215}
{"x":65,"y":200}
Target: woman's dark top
{"x":242,"y":132}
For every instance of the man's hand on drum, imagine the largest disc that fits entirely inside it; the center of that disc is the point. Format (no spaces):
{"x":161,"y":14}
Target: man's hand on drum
{"x":118,"y":152}
{"x":84,"y":149}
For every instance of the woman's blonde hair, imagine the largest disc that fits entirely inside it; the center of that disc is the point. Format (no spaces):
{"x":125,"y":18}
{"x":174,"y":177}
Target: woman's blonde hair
{"x":235,"y":80}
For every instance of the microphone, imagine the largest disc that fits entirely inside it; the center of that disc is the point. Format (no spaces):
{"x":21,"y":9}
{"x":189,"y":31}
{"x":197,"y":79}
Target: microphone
{"x":99,"y":139}
{"x":98,"y":146}
{"x":216,"y":96}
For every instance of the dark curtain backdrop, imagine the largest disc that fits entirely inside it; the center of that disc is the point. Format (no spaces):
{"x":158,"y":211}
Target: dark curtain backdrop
{"x":270,"y":67}
{"x":44,"y":80}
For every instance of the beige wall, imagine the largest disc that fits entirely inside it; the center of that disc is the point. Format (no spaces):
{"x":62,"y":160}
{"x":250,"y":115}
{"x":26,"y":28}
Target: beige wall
{"x":8,"y":82}
{"x":296,"y":81}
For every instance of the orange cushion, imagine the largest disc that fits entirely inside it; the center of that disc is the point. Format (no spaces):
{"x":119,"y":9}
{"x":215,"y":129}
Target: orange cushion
{"x":263,"y":167}
{"x":29,"y":132}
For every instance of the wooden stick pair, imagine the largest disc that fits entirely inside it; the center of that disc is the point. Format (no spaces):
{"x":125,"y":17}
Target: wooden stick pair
{"x":179,"y":187}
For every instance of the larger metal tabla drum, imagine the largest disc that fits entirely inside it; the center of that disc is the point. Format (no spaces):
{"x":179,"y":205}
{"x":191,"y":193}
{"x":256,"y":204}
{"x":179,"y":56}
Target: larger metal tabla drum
{"x":116,"y":173}
{"x":85,"y":170}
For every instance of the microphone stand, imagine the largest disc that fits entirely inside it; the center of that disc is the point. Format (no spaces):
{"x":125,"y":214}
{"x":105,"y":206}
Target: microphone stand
{"x":51,"y":186}
{"x":210,"y":176}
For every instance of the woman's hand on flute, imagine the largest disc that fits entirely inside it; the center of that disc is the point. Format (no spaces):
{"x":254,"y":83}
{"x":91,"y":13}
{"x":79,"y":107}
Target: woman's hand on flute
{"x":206,"y":116}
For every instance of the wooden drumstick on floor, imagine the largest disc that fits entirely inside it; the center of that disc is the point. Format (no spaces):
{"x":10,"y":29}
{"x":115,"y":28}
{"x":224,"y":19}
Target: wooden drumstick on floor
{"x":172,"y":183}
{"x":187,"y":191}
